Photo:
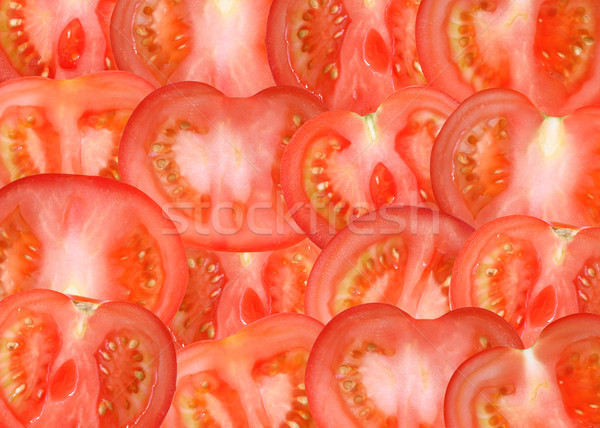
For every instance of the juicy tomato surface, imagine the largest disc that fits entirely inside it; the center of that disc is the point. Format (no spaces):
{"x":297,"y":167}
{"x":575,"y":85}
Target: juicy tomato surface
{"x":55,"y":39}
{"x":64,"y":362}
{"x":254,"y":378}
{"x":350,"y":53}
{"x":227,"y":291}
{"x":398,"y":255}
{"x":66,"y":126}
{"x":497,"y":155}
{"x":546,"y":49}
{"x":340,"y":165}
{"x":92,"y":237}
{"x":375,"y":366}
{"x":221,"y":43}
{"x":555,"y":380}
{"x":528,"y":271}
{"x":213,"y":162}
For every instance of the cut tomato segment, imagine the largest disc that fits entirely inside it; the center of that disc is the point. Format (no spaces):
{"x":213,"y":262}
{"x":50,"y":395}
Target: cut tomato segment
{"x":516,"y":388}
{"x":374,"y":365}
{"x":398,"y":255}
{"x":53,"y":234}
{"x":112,"y":364}
{"x":212,"y":162}
{"x":253,"y":378}
{"x":349,"y":53}
{"x":218,"y":43}
{"x":72,"y":126}
{"x":227,"y":291}
{"x":496,"y":155}
{"x":528,"y":271}
{"x":340,"y":165}
{"x":59,"y":40}
{"x":546,"y":49}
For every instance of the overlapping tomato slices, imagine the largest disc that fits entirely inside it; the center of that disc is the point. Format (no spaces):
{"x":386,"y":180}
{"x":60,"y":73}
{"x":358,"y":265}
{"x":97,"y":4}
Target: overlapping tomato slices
{"x":556,"y":379}
{"x":253,"y":378}
{"x":92,"y":237}
{"x":398,"y":255}
{"x":220,"y":43}
{"x":55,"y":39}
{"x":546,"y":49}
{"x":374,"y":365}
{"x":341,"y":165}
{"x":64,"y":361}
{"x":349,"y":53}
{"x":213,"y":162}
{"x":497,"y":155}
{"x":65,"y":126}
{"x":227,"y":291}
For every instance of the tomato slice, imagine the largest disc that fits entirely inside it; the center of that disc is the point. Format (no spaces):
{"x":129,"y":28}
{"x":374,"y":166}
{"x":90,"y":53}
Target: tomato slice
{"x":349,"y":53}
{"x":557,"y":378}
{"x":496,"y":155}
{"x":227,"y":291}
{"x":397,"y":255}
{"x":59,"y":40}
{"x":374,"y":365}
{"x":213,"y":162}
{"x":253,"y":378}
{"x":110,"y":364}
{"x":72,"y":126}
{"x":545,"y":49}
{"x":219,"y":43}
{"x":528,"y":271}
{"x":92,"y":237}
{"x":340,"y":165}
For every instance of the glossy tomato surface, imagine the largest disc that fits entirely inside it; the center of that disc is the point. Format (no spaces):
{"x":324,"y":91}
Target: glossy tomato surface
{"x":55,"y":39}
{"x":92,"y":237}
{"x":341,"y":165}
{"x":251,"y":379}
{"x":221,"y":43}
{"x":228,"y":290}
{"x":351,"y":54}
{"x":213,"y":162}
{"x":66,"y":361}
{"x":555,"y":380}
{"x":546,"y":49}
{"x":397,"y":255}
{"x":374,"y":365}
{"x":497,"y":155}
{"x":68,"y":126}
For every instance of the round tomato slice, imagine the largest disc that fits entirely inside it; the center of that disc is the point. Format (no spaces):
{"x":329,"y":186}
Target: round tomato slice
{"x":55,"y":39}
{"x":397,"y":255}
{"x":213,"y":162}
{"x":554,"y":380}
{"x":220,"y":43}
{"x":545,"y":49}
{"x":528,"y":271}
{"x":496,"y":155}
{"x":64,"y":361}
{"x":227,"y":291}
{"x":340,"y":165}
{"x":374,"y":365}
{"x":92,"y":237}
{"x":254,"y":378}
{"x":349,"y":53}
{"x":68,"y":126}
